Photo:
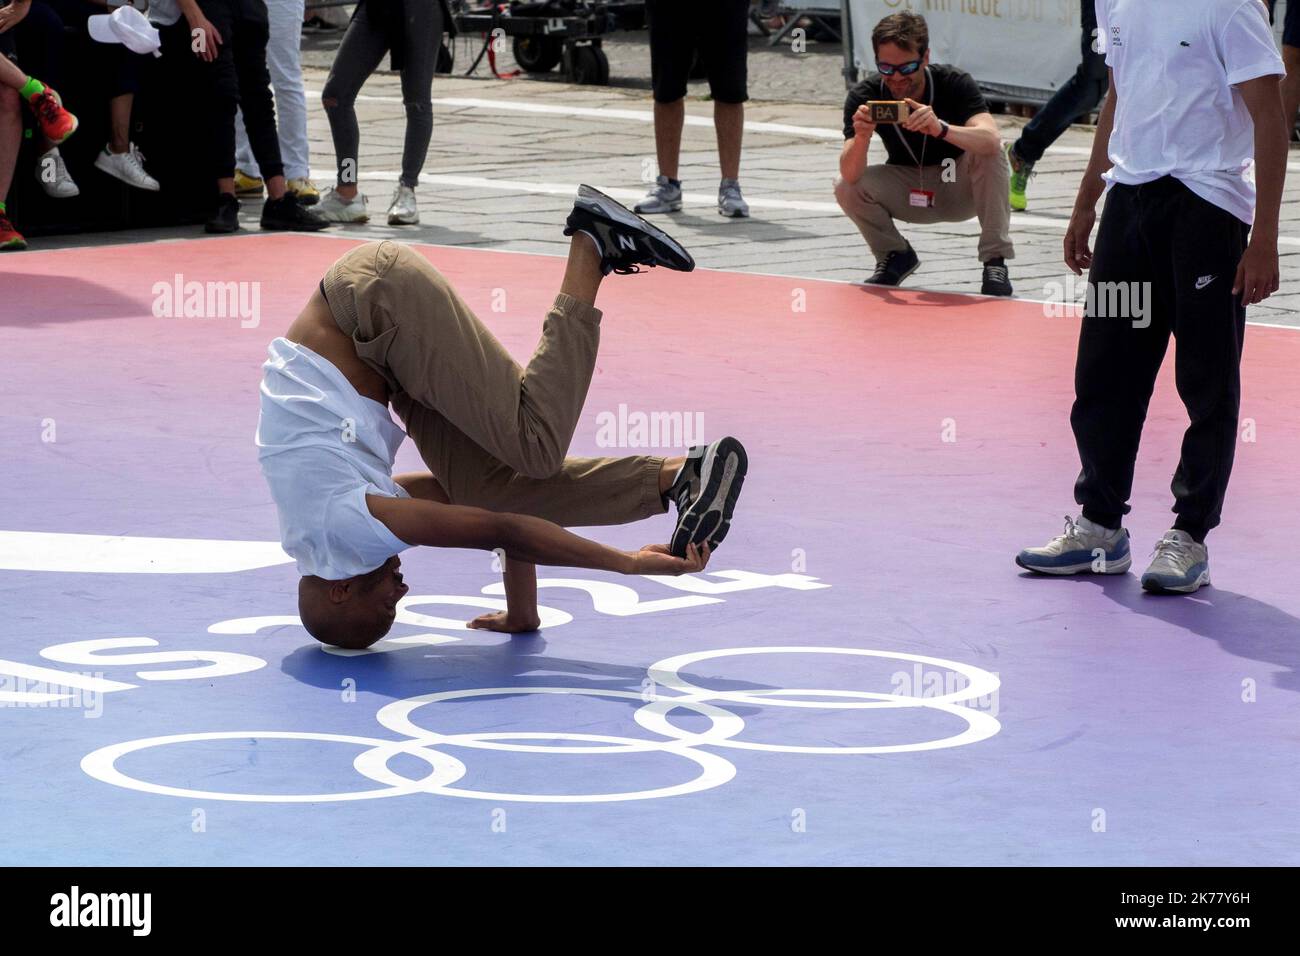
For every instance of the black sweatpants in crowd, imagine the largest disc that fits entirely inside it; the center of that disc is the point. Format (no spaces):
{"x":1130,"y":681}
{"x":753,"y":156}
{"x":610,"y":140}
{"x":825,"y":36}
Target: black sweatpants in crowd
{"x":1188,"y":250}
{"x":237,"y":78}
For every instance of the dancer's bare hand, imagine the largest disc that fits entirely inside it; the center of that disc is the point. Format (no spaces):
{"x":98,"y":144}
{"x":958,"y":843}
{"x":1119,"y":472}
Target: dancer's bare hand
{"x":657,"y":559}
{"x":502,"y":621}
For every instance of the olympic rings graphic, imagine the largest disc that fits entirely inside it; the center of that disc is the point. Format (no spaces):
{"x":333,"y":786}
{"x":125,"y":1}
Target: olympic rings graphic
{"x":653,"y":715}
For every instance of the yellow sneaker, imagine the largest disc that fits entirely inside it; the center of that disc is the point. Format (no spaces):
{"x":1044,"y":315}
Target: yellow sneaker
{"x":305,"y":190}
{"x":246,"y":185}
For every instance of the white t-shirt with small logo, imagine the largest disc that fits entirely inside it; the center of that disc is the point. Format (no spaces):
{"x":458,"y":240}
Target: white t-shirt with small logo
{"x":323,"y":447}
{"x":1176,"y":63}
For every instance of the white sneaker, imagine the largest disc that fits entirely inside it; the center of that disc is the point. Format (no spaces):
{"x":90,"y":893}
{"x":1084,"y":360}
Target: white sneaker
{"x":128,"y":167}
{"x":52,"y":174}
{"x":402,"y":211}
{"x":1180,"y":565}
{"x":730,"y":202}
{"x":1084,"y":548}
{"x":662,"y":197}
{"x":335,"y":208}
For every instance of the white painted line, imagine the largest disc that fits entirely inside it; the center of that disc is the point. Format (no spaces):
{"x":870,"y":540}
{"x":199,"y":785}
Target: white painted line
{"x":128,"y":554}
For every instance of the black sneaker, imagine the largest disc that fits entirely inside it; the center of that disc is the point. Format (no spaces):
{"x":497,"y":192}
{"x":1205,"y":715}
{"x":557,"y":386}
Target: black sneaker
{"x":997,"y":281}
{"x":625,"y":240}
{"x":289,"y":214}
{"x":226,"y":216}
{"x":894,"y":268}
{"x":705,"y":493}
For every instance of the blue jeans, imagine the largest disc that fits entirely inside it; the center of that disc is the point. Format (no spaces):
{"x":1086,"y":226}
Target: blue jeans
{"x":1080,"y":94}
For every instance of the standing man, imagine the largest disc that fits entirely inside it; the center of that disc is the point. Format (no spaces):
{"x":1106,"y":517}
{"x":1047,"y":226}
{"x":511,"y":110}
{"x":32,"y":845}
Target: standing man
{"x":944,"y":162}
{"x":1175,"y":230}
{"x":718,"y":33}
{"x":1080,"y":94}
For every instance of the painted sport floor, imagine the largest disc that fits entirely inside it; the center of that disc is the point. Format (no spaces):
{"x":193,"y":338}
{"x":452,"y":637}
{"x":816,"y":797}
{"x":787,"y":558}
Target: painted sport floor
{"x":881,"y":684}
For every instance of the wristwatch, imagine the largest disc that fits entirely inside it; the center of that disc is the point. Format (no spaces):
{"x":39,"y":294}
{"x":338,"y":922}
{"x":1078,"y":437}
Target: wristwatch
{"x":943,"y":130}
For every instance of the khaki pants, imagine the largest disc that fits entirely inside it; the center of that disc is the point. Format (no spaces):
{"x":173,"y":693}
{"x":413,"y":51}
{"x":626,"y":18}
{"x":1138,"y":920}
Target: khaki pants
{"x":979,"y":188}
{"x":494,"y":435}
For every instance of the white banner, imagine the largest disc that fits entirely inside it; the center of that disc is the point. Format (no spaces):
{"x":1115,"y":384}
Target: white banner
{"x":1031,"y":44}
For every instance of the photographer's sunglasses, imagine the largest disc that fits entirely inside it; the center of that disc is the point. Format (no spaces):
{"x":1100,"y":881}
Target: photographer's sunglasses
{"x":905,"y":69}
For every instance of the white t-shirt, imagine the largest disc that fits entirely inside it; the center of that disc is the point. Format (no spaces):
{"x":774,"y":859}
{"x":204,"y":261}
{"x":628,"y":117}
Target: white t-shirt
{"x":164,"y":12}
{"x":1175,"y":63}
{"x":323,"y":447}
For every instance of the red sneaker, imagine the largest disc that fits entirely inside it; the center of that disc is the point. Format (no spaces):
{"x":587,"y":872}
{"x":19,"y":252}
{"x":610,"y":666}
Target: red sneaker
{"x":10,"y":238}
{"x":56,"y":123}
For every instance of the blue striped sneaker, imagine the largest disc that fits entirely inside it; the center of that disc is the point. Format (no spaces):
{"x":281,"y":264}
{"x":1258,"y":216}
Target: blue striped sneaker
{"x":1180,"y":565}
{"x":1084,"y":548}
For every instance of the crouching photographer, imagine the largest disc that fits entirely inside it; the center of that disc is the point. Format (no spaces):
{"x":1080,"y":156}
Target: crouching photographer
{"x":945,"y":161}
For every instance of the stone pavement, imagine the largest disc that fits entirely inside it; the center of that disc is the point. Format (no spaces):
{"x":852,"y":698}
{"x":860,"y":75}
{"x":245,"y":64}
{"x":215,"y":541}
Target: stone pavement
{"x":507,"y":154}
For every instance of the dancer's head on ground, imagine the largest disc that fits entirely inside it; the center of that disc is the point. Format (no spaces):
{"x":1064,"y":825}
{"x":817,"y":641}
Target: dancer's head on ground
{"x":355,"y":612}
{"x":901,"y":42}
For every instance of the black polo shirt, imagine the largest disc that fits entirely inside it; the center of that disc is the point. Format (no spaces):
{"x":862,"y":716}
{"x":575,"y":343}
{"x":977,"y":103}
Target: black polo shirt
{"x":956,"y":98}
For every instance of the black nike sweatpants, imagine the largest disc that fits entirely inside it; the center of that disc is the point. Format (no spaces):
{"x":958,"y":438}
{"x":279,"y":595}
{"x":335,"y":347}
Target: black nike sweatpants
{"x":1164,"y":263}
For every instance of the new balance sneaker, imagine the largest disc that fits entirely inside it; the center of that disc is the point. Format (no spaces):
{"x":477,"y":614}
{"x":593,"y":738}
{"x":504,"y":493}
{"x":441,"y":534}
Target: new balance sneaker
{"x":894,"y":268}
{"x":225,"y":217}
{"x":52,"y":174}
{"x":705,"y":492}
{"x":56,"y":123}
{"x":128,"y":167}
{"x":403,"y":211}
{"x":248,"y":187}
{"x":1180,"y":565}
{"x":287,"y":214}
{"x":1020,"y":173}
{"x":997,"y":280}
{"x":335,"y":208}
{"x":625,"y":240}
{"x":1084,"y":548}
{"x":730,"y":202}
{"x":304,"y":189}
{"x":664,"y":196}
{"x":11,"y":240}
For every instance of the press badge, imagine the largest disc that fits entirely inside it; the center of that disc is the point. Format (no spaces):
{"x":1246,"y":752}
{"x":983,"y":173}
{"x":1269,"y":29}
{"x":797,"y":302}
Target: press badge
{"x":921,"y":198}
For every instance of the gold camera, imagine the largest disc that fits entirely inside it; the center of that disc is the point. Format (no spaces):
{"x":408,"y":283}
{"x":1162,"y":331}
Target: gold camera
{"x":887,"y":111}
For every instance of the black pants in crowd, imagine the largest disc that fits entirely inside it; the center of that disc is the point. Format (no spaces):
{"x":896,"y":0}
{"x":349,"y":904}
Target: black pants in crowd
{"x":412,"y":32}
{"x":1188,"y":250}
{"x":237,"y":78}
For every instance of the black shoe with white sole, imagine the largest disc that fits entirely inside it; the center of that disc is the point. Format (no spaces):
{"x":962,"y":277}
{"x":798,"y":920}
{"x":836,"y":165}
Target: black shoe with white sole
{"x":625,"y":240}
{"x":894,"y":268}
{"x":705,"y":493}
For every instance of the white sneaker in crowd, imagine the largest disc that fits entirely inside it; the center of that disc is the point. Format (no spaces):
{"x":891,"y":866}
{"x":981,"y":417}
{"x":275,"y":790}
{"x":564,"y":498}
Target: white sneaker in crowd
{"x":128,"y":167}
{"x":403,"y":211}
{"x":52,"y":174}
{"x":335,"y":208}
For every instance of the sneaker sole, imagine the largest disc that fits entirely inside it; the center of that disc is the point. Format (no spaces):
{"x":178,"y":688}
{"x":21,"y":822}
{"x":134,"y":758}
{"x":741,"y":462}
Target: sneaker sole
{"x":1152,"y":586}
{"x":596,"y":202}
{"x":1115,"y":567}
{"x":709,"y":516}
{"x":400,"y":221}
{"x":141,"y":186}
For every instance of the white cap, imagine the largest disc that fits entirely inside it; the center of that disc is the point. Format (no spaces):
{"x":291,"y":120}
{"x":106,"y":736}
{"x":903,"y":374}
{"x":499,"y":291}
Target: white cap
{"x":128,"y":26}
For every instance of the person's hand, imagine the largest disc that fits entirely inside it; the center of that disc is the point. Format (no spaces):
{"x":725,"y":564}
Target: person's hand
{"x":862,"y":125}
{"x":1257,"y":273}
{"x":921,"y":119}
{"x":503,"y":622}
{"x":201,"y":29}
{"x":657,"y":559}
{"x":13,"y":14}
{"x":1078,"y":255}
